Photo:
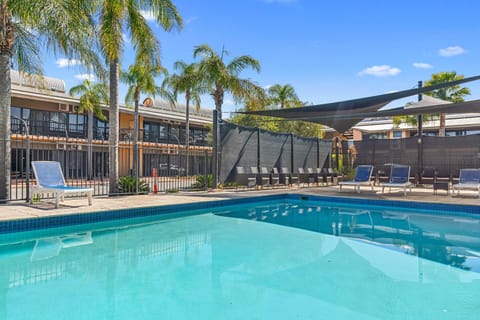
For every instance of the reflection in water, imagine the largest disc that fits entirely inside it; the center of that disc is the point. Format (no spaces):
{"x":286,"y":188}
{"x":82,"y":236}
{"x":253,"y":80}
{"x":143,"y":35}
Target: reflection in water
{"x":450,"y":240}
{"x":60,"y":275}
{"x":46,"y":248}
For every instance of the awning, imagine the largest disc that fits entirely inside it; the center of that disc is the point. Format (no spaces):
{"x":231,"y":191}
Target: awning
{"x":345,"y":114}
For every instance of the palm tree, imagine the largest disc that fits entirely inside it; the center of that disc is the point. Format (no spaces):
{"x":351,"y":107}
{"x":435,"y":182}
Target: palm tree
{"x":453,"y":94}
{"x":140,"y":78}
{"x":221,"y":78}
{"x":64,"y":27}
{"x":115,"y":17}
{"x":92,"y":97}
{"x":187,"y":81}
{"x":284,"y":96}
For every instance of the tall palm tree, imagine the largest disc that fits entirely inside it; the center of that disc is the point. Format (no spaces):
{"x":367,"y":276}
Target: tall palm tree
{"x":92,"y":97}
{"x":64,"y":27}
{"x":140,"y":78}
{"x":115,"y":17}
{"x":453,"y":94}
{"x":284,"y":96}
{"x":187,"y":81}
{"x":220,"y":78}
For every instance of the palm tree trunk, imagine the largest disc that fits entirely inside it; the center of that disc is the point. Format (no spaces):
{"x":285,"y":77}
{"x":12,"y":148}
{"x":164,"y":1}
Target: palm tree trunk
{"x":113,"y":123}
{"x":5,"y":154}
{"x":187,"y":136}
{"x":135,"y":144}
{"x":441,"y":129}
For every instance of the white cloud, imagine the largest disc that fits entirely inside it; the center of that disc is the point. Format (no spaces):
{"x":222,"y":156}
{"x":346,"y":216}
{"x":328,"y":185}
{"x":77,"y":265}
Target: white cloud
{"x":380,"y":71}
{"x":451,"y":51}
{"x":148,"y":15}
{"x":268,"y":86}
{"x":422,"y":65}
{"x":63,"y":62}
{"x":190,"y":20}
{"x":86,"y":76}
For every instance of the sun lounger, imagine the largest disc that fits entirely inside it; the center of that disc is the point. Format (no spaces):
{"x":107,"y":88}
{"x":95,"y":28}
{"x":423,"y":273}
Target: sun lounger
{"x":286,"y":177}
{"x":275,"y":177}
{"x":50,"y":179}
{"x":399,"y":178}
{"x":245,"y":178}
{"x":362,"y":177}
{"x":305,"y":177}
{"x":469,"y":180}
{"x":265,"y":177}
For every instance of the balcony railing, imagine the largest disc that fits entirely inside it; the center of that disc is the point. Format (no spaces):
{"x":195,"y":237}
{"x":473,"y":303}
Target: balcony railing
{"x":152,"y":136}
{"x":57,"y":129}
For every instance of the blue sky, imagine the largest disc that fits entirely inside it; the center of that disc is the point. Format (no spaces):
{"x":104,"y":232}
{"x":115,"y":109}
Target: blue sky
{"x":327,"y":50}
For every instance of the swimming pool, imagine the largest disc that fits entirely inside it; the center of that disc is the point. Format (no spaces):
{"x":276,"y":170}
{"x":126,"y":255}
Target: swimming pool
{"x":281,"y":257}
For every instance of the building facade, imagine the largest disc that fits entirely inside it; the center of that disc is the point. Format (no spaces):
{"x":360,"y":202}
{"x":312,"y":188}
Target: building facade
{"x":56,"y":126}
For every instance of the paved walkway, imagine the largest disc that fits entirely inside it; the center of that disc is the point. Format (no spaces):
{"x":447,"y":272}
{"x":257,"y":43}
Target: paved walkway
{"x":21,"y":210}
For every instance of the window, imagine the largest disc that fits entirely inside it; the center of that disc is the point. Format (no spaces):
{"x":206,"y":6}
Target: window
{"x":100,"y":129}
{"x":39,"y":121}
{"x":16,"y":126}
{"x":376,"y":135}
{"x":198,"y":136}
{"x":76,"y":123}
{"x":58,"y":121}
{"x":397,"y":134}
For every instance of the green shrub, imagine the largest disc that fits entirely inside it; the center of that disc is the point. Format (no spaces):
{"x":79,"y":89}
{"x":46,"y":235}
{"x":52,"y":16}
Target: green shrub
{"x":348,"y":173}
{"x":200,"y":183}
{"x":127,"y":185}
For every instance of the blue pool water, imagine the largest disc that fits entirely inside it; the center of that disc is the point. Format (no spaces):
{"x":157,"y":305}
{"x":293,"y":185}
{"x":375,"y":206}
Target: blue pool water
{"x":281,"y":258}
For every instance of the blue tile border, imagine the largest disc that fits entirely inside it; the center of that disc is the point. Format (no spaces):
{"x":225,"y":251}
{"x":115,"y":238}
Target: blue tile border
{"x":30,"y":224}
{"x":470,"y":209}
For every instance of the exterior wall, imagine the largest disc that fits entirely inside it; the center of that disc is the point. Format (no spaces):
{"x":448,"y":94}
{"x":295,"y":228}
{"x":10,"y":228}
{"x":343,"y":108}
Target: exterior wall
{"x":456,"y":124}
{"x":357,"y":135}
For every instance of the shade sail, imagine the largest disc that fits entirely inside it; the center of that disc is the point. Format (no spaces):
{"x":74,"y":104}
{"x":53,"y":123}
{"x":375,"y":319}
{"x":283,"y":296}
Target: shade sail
{"x":342,"y":119}
{"x":345,"y":114}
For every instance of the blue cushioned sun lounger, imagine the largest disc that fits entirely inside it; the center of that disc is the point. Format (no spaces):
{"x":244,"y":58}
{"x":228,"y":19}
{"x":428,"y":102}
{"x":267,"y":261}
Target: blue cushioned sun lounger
{"x":399,"y":178}
{"x":362,"y":177}
{"x":50,"y":179}
{"x":469,"y":180}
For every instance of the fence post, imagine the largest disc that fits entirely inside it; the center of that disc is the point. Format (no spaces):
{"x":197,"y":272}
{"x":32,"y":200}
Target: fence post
{"x":258,"y":148}
{"x":291,"y":153}
{"x":205,"y":169}
{"x":28,"y":165}
{"x":420,"y":140}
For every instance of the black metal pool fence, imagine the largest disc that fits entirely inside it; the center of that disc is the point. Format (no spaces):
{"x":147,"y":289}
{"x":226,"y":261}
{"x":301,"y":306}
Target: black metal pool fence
{"x":163,"y":167}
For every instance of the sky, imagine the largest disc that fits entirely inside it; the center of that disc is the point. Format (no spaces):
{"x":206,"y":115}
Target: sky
{"x":327,"y":50}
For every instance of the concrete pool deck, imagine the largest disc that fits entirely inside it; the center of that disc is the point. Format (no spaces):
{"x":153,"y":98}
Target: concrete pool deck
{"x":22,"y":210}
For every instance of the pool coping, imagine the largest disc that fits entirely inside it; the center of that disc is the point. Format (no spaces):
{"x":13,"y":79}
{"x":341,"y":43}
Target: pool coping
{"x":62,"y":220}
